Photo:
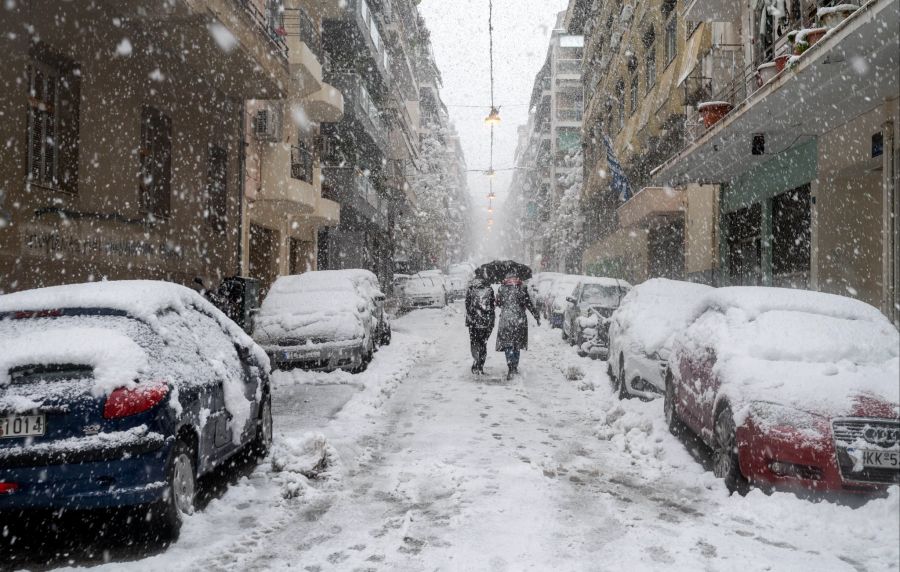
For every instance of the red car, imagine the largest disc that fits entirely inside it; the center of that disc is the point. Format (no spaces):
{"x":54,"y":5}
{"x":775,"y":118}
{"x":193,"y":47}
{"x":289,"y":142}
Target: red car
{"x":791,"y":389}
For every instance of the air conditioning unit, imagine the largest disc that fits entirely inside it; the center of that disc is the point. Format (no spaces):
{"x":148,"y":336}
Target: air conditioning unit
{"x":267,"y":122}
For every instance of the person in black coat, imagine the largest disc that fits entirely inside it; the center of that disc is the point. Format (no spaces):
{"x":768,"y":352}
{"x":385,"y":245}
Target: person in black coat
{"x":512,"y":332}
{"x":479,"y":319}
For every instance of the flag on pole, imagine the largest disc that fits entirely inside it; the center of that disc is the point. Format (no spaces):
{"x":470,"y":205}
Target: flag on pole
{"x":618,"y":183}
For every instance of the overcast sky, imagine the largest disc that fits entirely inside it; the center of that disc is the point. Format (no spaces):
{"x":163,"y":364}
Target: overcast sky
{"x":459,"y":34}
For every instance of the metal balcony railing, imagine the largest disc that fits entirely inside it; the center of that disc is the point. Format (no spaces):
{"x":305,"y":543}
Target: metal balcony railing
{"x":354,"y":90}
{"x":569,"y":114}
{"x":297,"y":22}
{"x":568,"y":67}
{"x":302,"y":163}
{"x":741,"y":86}
{"x":269,"y":23}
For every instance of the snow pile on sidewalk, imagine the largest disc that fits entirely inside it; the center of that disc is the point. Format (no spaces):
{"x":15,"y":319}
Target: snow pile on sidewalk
{"x":297,"y":460}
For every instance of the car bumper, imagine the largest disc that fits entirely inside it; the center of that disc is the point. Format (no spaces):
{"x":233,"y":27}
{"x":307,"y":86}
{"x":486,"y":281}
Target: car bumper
{"x":786,"y":461}
{"x":92,"y":478}
{"x":430,"y":302}
{"x":323,"y":358}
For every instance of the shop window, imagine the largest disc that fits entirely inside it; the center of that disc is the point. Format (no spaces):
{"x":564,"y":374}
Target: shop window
{"x":217,"y":187}
{"x":53,"y":109}
{"x":156,"y":162}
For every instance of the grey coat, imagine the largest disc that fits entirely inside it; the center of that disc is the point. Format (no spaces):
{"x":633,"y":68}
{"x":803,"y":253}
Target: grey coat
{"x":512,"y":330}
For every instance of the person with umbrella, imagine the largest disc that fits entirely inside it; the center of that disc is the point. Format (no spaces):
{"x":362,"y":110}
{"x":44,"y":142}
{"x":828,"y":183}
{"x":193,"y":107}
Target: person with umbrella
{"x":512,"y":331}
{"x":479,"y":319}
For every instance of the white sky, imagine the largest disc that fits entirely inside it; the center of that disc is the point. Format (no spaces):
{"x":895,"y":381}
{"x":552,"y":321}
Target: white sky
{"x":459,"y":35}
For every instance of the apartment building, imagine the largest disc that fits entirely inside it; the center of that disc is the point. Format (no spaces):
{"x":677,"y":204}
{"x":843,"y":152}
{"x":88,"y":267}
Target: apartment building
{"x":547,"y":147}
{"x":803,"y":160}
{"x":123,"y":158}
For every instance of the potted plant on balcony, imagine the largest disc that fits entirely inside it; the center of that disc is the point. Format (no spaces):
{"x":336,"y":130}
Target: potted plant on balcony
{"x":713,"y":111}
{"x":807,"y":38}
{"x":766,"y":72}
{"x":834,"y":15}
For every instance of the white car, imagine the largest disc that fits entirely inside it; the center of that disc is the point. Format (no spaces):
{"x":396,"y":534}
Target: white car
{"x":424,"y":292}
{"x":542,"y":289}
{"x":589,"y":307}
{"x":641,"y":332}
{"x":555,"y":299}
{"x":325,"y":320}
{"x":456,"y":286}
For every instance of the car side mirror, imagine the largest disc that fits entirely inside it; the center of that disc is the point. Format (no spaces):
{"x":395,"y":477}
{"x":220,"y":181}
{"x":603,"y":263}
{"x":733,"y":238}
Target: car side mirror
{"x":571,"y":300}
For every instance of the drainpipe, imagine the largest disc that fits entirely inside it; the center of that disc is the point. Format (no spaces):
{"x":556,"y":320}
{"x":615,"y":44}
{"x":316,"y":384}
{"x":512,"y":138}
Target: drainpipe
{"x":890,"y":215}
{"x":242,"y":165}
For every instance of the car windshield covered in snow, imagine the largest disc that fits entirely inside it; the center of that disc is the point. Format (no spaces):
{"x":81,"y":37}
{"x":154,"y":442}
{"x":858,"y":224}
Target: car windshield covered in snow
{"x":603,"y":295}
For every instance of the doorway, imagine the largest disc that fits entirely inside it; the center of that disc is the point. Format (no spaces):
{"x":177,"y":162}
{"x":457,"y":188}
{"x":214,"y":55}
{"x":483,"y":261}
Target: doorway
{"x":263,"y":256}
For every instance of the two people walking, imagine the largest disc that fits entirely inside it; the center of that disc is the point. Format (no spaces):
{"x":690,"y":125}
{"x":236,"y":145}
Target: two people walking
{"x":512,"y":332}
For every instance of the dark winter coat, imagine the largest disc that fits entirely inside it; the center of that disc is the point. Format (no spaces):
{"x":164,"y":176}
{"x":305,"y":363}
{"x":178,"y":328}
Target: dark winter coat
{"x":480,"y":305}
{"x":512,"y":331}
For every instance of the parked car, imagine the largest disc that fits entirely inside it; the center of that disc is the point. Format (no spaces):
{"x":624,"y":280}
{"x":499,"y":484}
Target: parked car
{"x":555,"y":301}
{"x":456,"y":286}
{"x":597,"y":298}
{"x":542,"y":290}
{"x":641,"y":332}
{"x":424,"y":292}
{"x":399,"y":282}
{"x":323,"y":320}
{"x":122,"y":394}
{"x":790,"y":388}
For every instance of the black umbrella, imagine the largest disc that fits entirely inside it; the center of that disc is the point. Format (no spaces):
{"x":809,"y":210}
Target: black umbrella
{"x":497,"y":270}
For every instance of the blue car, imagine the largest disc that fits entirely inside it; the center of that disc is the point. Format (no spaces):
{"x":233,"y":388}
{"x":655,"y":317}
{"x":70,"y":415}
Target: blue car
{"x":118,"y":394}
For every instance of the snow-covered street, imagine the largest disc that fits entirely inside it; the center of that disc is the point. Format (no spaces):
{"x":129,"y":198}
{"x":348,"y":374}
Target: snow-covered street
{"x":431,"y":468}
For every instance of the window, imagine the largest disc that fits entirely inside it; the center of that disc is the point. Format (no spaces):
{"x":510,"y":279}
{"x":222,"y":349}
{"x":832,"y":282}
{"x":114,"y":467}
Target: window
{"x":649,"y":41}
{"x":217,"y":187}
{"x":302,"y":162}
{"x":156,"y":162}
{"x":671,"y":38}
{"x":53,"y":102}
{"x":634,"y":93}
{"x":620,"y":96}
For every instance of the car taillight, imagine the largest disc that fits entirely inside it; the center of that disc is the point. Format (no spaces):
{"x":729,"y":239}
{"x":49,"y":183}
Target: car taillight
{"x":8,"y":488}
{"x":124,"y":402}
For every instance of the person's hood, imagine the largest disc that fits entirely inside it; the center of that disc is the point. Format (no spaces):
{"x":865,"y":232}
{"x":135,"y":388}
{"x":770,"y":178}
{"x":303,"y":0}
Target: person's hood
{"x":512,"y":281}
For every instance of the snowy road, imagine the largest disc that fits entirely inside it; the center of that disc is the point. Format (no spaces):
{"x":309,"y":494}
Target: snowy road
{"x":434,"y":469}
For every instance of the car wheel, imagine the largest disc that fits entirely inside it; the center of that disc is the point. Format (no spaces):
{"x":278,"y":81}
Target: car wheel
{"x":620,"y":381}
{"x":725,"y":455}
{"x":676,"y":426}
{"x":179,"y":498}
{"x":262,"y":442}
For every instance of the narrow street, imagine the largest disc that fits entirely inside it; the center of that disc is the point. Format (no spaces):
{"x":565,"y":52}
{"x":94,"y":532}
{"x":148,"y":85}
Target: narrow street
{"x":434,"y":469}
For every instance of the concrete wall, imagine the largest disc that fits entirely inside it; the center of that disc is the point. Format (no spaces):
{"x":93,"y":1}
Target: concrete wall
{"x":848,"y":212}
{"x":105,"y":234}
{"x":701,"y":254}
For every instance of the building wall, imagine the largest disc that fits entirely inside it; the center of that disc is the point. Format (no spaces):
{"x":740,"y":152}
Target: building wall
{"x":849,"y":209}
{"x":104,"y":233}
{"x":701,"y":254}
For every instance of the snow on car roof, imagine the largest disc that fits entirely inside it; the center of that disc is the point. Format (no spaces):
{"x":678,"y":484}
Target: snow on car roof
{"x":613,"y":282}
{"x":141,"y":299}
{"x":755,"y":300}
{"x":653,"y":312}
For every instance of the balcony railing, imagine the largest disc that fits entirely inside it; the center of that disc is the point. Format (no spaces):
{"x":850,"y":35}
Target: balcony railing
{"x":569,"y":114}
{"x":354,"y":89}
{"x":296,"y":22}
{"x":268,"y":23}
{"x":568,"y":67}
{"x":741,"y":86}
{"x":352,"y":187}
{"x":302,"y":163}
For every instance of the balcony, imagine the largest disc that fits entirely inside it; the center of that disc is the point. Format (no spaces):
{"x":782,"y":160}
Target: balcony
{"x":651,"y":205}
{"x":570,"y":115}
{"x":568,"y":67}
{"x":359,"y":103}
{"x":712,"y":11}
{"x":354,"y":189}
{"x":808,"y":100}
{"x":325,"y":105}
{"x":287,"y":185}
{"x":365,"y":31}
{"x":304,"y":42}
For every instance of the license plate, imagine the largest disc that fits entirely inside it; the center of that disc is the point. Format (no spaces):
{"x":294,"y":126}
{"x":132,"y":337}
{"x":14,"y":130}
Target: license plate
{"x":22,"y":426}
{"x":306,"y":355}
{"x":881,"y":459}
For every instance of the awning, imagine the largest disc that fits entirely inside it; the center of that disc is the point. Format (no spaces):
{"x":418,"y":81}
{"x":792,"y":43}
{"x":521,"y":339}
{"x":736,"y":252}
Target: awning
{"x":691,"y":56}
